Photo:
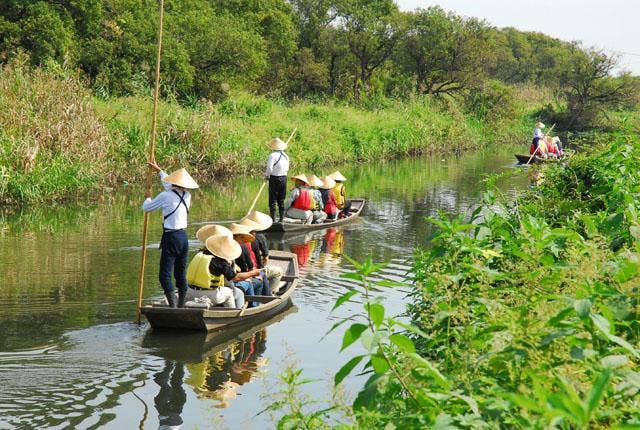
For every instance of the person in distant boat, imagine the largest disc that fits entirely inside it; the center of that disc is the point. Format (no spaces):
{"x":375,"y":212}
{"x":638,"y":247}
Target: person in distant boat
{"x":317,"y":204}
{"x":552,"y":149}
{"x":201,"y":280}
{"x":537,"y":135}
{"x":245,"y":261}
{"x":276,"y":174}
{"x":257,"y":222}
{"x":299,"y":202}
{"x":175,"y":202}
{"x":558,"y":144}
{"x":329,"y":199}
{"x":340,"y":193}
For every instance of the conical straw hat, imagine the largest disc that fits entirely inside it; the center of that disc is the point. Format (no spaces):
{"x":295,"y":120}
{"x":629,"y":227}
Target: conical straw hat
{"x":337,"y":176}
{"x":207,"y":231}
{"x":302,"y":177}
{"x":181,"y":178}
{"x":242,"y":231}
{"x":224,"y":246}
{"x":252,"y":225}
{"x":539,"y":124}
{"x":314,"y":181}
{"x":328,"y":183}
{"x":260,"y":219}
{"x":277,"y":144}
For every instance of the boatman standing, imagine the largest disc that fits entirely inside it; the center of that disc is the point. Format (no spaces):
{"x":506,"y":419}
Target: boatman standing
{"x":537,"y":135}
{"x":276,"y":174}
{"x":175,"y":202}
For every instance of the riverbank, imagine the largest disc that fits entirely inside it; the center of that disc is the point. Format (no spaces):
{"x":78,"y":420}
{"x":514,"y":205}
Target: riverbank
{"x":59,"y":141}
{"x":522,"y":316}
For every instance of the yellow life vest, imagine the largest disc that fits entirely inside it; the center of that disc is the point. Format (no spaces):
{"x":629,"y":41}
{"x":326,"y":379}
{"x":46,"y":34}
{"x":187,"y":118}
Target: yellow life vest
{"x":340,"y":194}
{"x":198,"y":272}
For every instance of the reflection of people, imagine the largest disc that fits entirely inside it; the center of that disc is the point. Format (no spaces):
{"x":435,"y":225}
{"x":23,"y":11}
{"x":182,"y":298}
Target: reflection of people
{"x":174,"y":201}
{"x":171,"y":397}
{"x":219,"y":376}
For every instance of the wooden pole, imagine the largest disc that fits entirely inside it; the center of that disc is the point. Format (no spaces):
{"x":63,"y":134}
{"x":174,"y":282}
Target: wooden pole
{"x":256,"y":199}
{"x":534,"y":152}
{"x":291,"y":136}
{"x":152,"y":158}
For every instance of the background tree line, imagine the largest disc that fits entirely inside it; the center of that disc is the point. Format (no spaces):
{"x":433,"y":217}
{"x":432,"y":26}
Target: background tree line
{"x":357,"y":50}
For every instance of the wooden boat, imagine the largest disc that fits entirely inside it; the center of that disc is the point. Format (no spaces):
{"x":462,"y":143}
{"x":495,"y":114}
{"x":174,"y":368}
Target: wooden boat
{"x":356,"y":207}
{"x":219,"y":319}
{"x":523,"y":159}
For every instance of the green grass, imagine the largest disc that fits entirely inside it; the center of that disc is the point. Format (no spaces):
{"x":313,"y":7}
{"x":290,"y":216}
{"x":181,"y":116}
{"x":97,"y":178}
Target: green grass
{"x":57,"y":140}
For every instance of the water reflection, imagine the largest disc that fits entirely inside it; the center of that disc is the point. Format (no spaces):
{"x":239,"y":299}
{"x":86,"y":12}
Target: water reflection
{"x":171,"y":397}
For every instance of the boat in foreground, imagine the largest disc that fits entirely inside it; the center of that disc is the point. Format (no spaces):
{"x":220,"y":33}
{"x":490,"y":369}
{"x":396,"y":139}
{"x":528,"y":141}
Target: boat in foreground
{"x":217,"y":319}
{"x":356,"y":207}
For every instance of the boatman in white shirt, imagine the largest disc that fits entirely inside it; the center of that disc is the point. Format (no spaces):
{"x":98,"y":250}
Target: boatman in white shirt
{"x":175,"y":202}
{"x":276,"y":174}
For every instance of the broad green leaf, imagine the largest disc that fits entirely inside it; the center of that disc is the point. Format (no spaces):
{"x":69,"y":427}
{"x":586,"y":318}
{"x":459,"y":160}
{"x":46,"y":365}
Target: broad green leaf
{"x":376,"y":313}
{"x":605,"y":327}
{"x":582,"y":307}
{"x":614,"y":361}
{"x":352,"y":334}
{"x":344,"y":298}
{"x":379,"y":364}
{"x":351,"y":275}
{"x":597,"y":391}
{"x":390,"y":283}
{"x":346,"y":369}
{"x":435,"y":373}
{"x":403,"y":342}
{"x":411,"y":328}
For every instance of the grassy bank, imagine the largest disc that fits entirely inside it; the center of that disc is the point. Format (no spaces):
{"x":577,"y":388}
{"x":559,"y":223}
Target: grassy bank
{"x":57,"y":140}
{"x":524,"y":315}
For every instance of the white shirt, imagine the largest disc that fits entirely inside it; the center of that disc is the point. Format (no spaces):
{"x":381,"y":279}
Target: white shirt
{"x":537,"y":133}
{"x":168,"y":201}
{"x":277,"y":164}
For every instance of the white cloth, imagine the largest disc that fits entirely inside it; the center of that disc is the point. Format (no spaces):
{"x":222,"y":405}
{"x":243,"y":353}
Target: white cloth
{"x":537,"y":133}
{"x":277,"y":164}
{"x":216,"y":296}
{"x":168,"y":201}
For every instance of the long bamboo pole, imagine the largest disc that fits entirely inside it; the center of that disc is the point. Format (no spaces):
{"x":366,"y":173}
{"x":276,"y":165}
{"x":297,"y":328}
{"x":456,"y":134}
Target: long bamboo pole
{"x":534,"y":152}
{"x":152,"y":158}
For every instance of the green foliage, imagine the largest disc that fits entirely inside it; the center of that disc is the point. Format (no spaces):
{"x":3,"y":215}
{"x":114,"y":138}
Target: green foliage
{"x":521,"y":316}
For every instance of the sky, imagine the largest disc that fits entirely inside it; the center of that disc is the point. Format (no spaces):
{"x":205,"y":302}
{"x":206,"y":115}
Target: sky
{"x":611,"y":25}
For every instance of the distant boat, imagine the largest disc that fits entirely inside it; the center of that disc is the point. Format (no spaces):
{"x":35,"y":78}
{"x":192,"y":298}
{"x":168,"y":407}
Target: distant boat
{"x":217,"y":319}
{"x":356,"y":207}
{"x":524,"y":159}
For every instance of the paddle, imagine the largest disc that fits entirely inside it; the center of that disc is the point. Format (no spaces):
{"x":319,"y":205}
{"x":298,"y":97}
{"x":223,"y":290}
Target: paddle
{"x":534,"y":152}
{"x":152,"y":158}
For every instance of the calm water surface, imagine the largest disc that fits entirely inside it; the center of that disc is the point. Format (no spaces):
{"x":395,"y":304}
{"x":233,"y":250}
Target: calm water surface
{"x":70,"y":356}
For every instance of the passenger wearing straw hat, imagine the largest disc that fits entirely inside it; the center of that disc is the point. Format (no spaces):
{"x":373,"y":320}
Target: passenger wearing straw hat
{"x":256,"y":276}
{"x":257,"y":222}
{"x":340,"y":193}
{"x":299,"y":202}
{"x":276,"y":174}
{"x":175,"y":202}
{"x":201,"y":280}
{"x":317,"y":205}
{"x":329,"y":199}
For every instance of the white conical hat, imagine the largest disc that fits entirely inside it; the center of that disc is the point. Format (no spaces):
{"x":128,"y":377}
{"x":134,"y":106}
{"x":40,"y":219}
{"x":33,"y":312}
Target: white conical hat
{"x":224,"y":246}
{"x":314,"y":181}
{"x":277,"y":144}
{"x":302,"y":177}
{"x":243,"y":231}
{"x":207,"y":231}
{"x":539,"y":124}
{"x":328,"y":183}
{"x":181,"y":178}
{"x":259,"y":220}
{"x":337,"y":176}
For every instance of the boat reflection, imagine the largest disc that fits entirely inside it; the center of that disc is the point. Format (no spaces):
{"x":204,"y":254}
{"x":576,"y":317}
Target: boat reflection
{"x":323,"y":247}
{"x":213,"y":366}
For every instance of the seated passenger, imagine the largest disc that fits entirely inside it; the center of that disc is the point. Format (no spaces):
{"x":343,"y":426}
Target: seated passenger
{"x":317,"y":205}
{"x":558,"y":143}
{"x":552,"y":150}
{"x":247,"y":263}
{"x":299,"y":202}
{"x":340,"y":193}
{"x":258,"y":221}
{"x":329,"y":199}
{"x":204,"y":274}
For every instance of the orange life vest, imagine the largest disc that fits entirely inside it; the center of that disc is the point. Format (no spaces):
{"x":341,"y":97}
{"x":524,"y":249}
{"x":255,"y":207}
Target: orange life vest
{"x":303,"y":201}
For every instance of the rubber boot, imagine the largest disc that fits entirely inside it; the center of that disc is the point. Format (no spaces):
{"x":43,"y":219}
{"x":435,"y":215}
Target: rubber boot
{"x":272,"y":212}
{"x":182,"y":296}
{"x":171,"y":299}
{"x":281,"y":214}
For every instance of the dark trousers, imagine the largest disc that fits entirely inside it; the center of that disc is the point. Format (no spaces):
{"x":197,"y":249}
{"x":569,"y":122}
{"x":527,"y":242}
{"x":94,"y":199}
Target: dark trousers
{"x":173,"y":258}
{"x":535,"y":143}
{"x":277,"y":193}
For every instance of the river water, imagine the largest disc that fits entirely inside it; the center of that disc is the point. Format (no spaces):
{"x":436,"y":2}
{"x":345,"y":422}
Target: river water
{"x":71,"y":357}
